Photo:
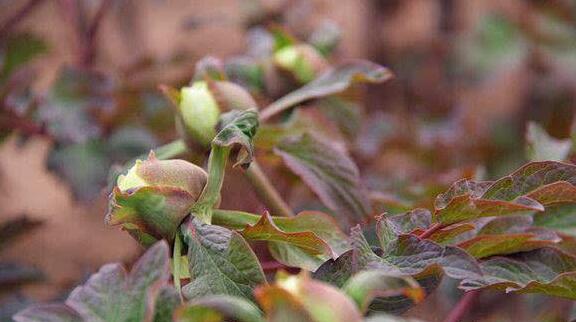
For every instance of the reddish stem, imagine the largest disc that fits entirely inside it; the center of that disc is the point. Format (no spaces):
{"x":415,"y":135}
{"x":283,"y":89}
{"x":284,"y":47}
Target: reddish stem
{"x":428,"y":232}
{"x":463,"y":307}
{"x":272,"y":266}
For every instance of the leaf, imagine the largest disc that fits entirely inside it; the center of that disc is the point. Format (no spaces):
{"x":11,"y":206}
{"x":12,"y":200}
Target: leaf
{"x":238,"y":128}
{"x":12,"y":229}
{"x":424,"y":260}
{"x":531,"y":178}
{"x":112,"y":294}
{"x":329,"y":172}
{"x":166,"y":303}
{"x":18,"y":50}
{"x":265,"y":229}
{"x":545,"y":270}
{"x":221,"y":307}
{"x":300,"y":298}
{"x":330,"y":82}
{"x":319,"y":224}
{"x":561,"y":218}
{"x":12,"y":275}
{"x":489,"y":245}
{"x":48,"y":313}
{"x":221,"y":262}
{"x":541,"y":146}
{"x":369,"y":287}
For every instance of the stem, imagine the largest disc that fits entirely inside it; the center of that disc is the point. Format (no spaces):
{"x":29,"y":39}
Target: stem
{"x":266,"y":191}
{"x":210,"y":196}
{"x":463,"y":307}
{"x":427,"y":233}
{"x":176,"y":256}
{"x":88,"y":50}
{"x":170,"y":150}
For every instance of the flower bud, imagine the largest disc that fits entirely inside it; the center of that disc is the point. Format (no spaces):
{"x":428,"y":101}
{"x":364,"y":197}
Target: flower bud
{"x":154,"y":196}
{"x":202,"y":103}
{"x":303,"y":61}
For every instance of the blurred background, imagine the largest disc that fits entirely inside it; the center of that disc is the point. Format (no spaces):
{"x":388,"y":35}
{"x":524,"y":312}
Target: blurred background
{"x":79,"y":94}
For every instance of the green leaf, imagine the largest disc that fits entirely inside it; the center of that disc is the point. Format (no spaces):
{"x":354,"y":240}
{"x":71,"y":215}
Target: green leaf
{"x":561,"y":218}
{"x":366,"y":287}
{"x":221,"y":262}
{"x":330,"y":82}
{"x":541,"y":146}
{"x":167,"y":301}
{"x":265,"y":229}
{"x":545,"y":270}
{"x":112,"y":294}
{"x":220,"y":308}
{"x":318,"y":224}
{"x":329,"y":172}
{"x":18,"y":50}
{"x":300,"y":298}
{"x":489,"y":245}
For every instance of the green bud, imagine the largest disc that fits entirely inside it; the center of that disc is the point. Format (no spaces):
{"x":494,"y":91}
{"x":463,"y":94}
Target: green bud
{"x":202,"y":103}
{"x":303,"y":61}
{"x":199,"y":111}
{"x":154,"y":196}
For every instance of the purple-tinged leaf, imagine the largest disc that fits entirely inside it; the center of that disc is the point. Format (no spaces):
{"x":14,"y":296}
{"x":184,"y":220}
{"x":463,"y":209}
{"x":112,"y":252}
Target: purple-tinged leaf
{"x":329,"y":172}
{"x":489,"y":245}
{"x":221,"y":262}
{"x":546,"y":271}
{"x":48,"y":313}
{"x":113,"y":295}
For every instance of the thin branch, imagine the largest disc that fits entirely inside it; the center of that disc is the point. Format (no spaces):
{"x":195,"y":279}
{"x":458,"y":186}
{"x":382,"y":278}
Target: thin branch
{"x":88,"y":54}
{"x":266,"y":191}
{"x":17,"y":17}
{"x":463,"y":307}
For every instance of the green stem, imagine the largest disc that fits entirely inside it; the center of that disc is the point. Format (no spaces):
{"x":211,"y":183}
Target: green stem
{"x":266,"y":191}
{"x":170,"y":150}
{"x":176,"y":256}
{"x":210,"y":196}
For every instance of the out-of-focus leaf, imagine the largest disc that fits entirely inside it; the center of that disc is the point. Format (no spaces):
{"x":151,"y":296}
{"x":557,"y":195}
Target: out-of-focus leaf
{"x":389,"y":318}
{"x":330,"y":173}
{"x":300,"y":298}
{"x":330,"y":82}
{"x":542,"y":146}
{"x":325,"y":37}
{"x":319,"y":224}
{"x":545,"y":270}
{"x":344,"y":113}
{"x":17,"y":50}
{"x":13,"y":275}
{"x":367,"y":286}
{"x":218,"y":308}
{"x":84,"y":166}
{"x":221,"y":262}
{"x":70,"y":105}
{"x":48,"y":313}
{"x":14,"y":228}
{"x":129,"y":142}
{"x":112,"y":294}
